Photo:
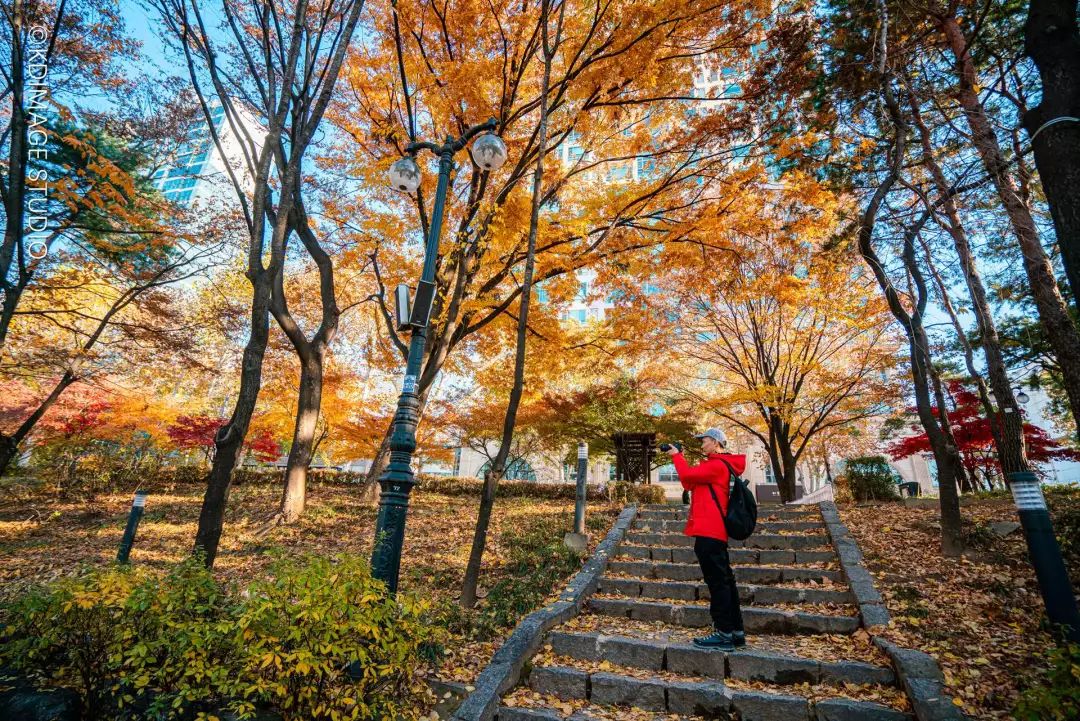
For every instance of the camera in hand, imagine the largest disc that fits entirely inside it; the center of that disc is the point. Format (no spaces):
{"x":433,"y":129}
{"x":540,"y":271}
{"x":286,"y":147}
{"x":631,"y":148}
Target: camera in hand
{"x":665,"y":447}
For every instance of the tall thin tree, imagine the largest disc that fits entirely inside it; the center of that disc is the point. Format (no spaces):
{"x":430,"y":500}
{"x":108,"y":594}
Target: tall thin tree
{"x":289,"y":55}
{"x":549,"y":46}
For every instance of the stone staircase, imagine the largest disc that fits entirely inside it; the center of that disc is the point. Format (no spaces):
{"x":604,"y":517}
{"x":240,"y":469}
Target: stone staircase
{"x":629,"y":655}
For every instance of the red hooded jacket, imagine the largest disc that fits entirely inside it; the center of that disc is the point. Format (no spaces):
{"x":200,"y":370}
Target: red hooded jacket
{"x":705,"y":518}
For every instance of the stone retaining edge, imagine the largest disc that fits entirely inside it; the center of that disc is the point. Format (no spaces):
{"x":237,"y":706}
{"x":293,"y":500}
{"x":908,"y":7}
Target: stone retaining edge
{"x":504,"y":670}
{"x":918,"y":672}
{"x":872,"y":608}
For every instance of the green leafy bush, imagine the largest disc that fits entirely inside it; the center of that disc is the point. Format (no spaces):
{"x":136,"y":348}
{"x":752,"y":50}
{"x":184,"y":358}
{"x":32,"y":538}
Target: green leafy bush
{"x":322,"y":640}
{"x":634,"y":493}
{"x":72,"y":635}
{"x":868,"y":478}
{"x":180,"y":645}
{"x":1058,"y":699}
{"x":317,"y":639}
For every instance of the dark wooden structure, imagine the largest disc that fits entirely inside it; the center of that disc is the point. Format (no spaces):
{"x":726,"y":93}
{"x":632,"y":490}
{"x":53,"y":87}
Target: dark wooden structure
{"x":634,"y":456}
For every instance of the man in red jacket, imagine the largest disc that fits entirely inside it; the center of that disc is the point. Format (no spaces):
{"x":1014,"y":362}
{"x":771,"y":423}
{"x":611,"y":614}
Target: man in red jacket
{"x":709,"y":484}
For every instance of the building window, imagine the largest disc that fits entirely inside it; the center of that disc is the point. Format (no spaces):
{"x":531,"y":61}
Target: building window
{"x":580,"y":314}
{"x":668,"y":474}
{"x":457,"y":461}
{"x":646,"y":167}
{"x":517,"y":470}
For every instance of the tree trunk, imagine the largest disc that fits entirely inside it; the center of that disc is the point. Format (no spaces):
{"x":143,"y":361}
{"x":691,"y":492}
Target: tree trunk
{"x":1052,"y":40}
{"x":946,"y":454}
{"x":788,"y":464}
{"x":381,"y":459}
{"x":310,"y":353}
{"x":15,"y":193}
{"x":9,"y":444}
{"x":308,"y":404}
{"x":947,"y":458}
{"x":230,"y":437}
{"x":491,"y":479}
{"x":1061,"y":332}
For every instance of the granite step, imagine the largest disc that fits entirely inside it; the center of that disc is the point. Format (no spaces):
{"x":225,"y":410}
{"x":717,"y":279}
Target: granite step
{"x":591,"y":712}
{"x":819,"y":541}
{"x":677,"y":525}
{"x":748,"y":593}
{"x":776,"y":517}
{"x":746,"y":664}
{"x":685,"y":554}
{"x":764,"y":509}
{"x":743,"y":574}
{"x":756,"y":619}
{"x":700,"y":698}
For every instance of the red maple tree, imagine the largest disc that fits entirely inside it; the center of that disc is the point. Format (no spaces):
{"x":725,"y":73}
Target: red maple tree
{"x":972,"y":431}
{"x":198,"y":432}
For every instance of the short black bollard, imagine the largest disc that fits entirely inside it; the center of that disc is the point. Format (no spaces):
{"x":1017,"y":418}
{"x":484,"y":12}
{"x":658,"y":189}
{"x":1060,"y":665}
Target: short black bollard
{"x":1045,"y":554}
{"x":138,"y":505}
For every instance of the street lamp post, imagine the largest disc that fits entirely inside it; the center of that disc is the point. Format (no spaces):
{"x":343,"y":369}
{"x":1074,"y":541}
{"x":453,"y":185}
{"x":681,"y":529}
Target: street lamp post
{"x":489,"y":153}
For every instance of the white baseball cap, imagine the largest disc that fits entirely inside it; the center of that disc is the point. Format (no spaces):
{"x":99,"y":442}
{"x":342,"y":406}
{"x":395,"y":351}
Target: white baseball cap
{"x":716,"y":434}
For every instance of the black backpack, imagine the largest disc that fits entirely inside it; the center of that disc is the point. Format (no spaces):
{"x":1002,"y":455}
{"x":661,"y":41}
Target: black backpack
{"x":741,"y":509}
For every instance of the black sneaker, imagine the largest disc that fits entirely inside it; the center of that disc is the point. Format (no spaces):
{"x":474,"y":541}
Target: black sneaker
{"x":717,"y":639}
{"x":738,"y":639}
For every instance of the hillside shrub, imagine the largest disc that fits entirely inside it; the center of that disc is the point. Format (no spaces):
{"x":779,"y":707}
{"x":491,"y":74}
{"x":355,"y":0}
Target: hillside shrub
{"x":868,"y":478}
{"x":1058,"y":697}
{"x":317,"y":639}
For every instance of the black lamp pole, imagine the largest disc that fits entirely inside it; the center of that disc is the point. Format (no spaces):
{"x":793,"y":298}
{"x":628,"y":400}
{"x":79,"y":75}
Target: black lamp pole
{"x":398,"y":480}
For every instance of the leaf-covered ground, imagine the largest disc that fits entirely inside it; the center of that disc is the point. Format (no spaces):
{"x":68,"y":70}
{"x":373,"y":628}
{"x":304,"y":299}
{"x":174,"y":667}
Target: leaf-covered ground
{"x":42,"y":538}
{"x":979,"y":615}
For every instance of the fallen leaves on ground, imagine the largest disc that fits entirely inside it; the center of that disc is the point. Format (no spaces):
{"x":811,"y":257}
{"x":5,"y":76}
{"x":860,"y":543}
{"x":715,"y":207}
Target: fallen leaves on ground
{"x":978,"y":615}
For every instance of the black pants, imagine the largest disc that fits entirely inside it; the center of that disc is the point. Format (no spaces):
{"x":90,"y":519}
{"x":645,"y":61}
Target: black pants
{"x":712,"y":555}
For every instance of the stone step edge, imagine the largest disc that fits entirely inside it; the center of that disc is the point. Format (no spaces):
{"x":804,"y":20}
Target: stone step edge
{"x":762,"y":541}
{"x":699,"y":698}
{"x":504,"y":670}
{"x":763,"y":526}
{"x":691,"y":591}
{"x":785,"y":518}
{"x":659,"y":570}
{"x":757,"y":619}
{"x":809,"y":524}
{"x":737,"y":556}
{"x":746,"y":664}
{"x":753,"y":608}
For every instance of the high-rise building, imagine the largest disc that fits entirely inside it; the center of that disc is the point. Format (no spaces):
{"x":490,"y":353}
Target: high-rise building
{"x":197,"y":175}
